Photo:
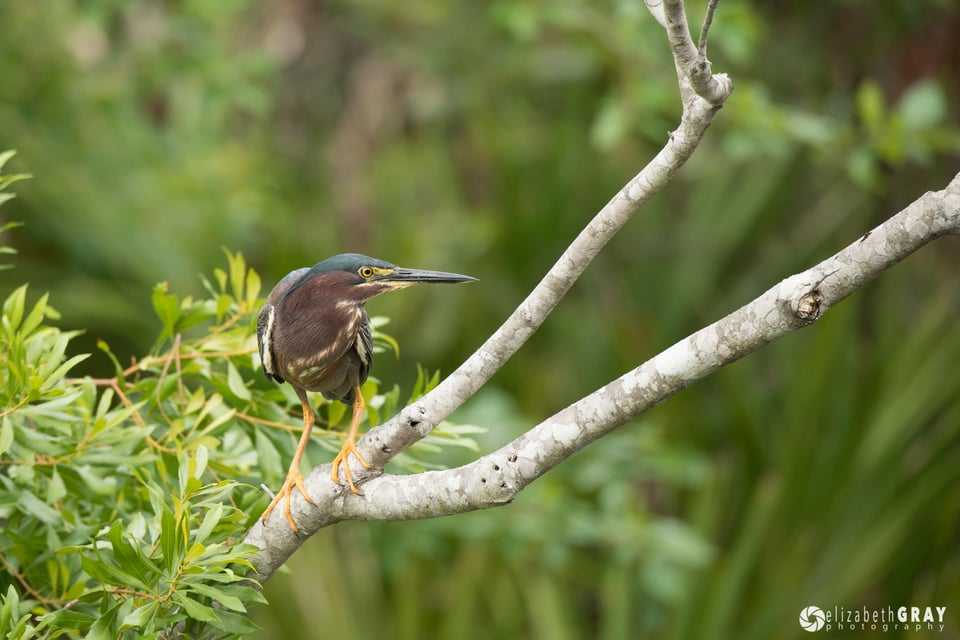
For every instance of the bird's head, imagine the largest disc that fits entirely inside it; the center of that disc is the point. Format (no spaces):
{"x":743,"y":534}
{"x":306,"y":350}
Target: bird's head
{"x":355,"y":278}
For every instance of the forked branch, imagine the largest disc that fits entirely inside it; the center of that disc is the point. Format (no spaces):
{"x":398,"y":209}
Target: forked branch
{"x":701,"y":96}
{"x":496,"y":478}
{"x":418,"y":419}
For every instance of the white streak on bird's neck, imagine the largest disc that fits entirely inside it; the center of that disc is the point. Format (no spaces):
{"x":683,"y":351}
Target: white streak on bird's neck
{"x":267,"y":355}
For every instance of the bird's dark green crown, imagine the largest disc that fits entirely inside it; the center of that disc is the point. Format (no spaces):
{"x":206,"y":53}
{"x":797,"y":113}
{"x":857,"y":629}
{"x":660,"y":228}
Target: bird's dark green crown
{"x":350,"y":262}
{"x":347,"y":262}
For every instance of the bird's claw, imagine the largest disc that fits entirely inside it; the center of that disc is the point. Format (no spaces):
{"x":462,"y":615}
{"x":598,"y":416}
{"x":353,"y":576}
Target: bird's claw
{"x":343,"y":457}
{"x":294,"y":479}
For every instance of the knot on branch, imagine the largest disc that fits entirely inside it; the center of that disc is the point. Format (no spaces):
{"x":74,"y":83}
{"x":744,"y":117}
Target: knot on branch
{"x":808,"y":306}
{"x":714,"y":88}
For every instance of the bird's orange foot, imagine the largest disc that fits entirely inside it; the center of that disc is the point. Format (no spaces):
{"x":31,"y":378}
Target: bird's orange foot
{"x":294,"y":479}
{"x":347,"y":448}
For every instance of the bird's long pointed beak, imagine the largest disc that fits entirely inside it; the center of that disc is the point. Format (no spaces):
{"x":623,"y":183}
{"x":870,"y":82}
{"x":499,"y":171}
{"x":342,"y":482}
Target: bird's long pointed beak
{"x":401,"y":277}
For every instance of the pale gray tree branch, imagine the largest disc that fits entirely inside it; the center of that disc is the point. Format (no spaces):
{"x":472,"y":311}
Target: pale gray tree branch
{"x":701,"y":96}
{"x":691,"y":61}
{"x":792,"y":304}
{"x":496,"y":478}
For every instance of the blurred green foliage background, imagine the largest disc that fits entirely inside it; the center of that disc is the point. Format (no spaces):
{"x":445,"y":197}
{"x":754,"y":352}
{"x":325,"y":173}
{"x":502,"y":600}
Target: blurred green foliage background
{"x":479,"y":138}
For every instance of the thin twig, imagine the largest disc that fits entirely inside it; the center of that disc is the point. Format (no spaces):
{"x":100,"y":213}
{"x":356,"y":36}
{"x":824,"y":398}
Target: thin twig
{"x":223,"y":327}
{"x":23,"y":401}
{"x":25,"y":584}
{"x":705,"y":29}
{"x":163,"y":374}
{"x":141,"y":365}
{"x":177,"y":359}
{"x":246,"y":417}
{"x":155,"y":360}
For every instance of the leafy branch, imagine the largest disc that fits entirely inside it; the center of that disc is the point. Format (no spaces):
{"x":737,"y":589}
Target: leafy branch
{"x":125,"y":499}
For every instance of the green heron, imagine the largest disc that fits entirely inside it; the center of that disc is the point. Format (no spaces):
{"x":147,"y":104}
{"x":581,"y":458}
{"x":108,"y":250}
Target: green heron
{"x":314,"y":333}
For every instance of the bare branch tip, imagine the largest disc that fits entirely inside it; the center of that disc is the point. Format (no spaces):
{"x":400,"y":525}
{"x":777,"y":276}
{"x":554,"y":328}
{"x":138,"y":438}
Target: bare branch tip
{"x":705,"y":28}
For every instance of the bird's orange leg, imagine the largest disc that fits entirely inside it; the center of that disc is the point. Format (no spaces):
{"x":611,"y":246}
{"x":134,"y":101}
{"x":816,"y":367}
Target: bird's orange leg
{"x":294,"y":478}
{"x":349,"y":446}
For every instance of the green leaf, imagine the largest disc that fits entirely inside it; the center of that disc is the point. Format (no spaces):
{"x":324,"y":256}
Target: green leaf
{"x":197,"y":398}
{"x":253,"y":288}
{"x":238,"y":270}
{"x":140,"y":616}
{"x":6,"y":155}
{"x":131,"y":559}
{"x":57,"y":376}
{"x":167,"y":308}
{"x":194,"y":609}
{"x":236,"y":383}
{"x":201,"y":455}
{"x":871,"y":106}
{"x":36,"y":316}
{"x":210,"y":520}
{"x":56,"y":491}
{"x":268,"y":456}
{"x":36,"y":508}
{"x":66,"y":619}
{"x":170,"y":542}
{"x":20,"y":627}
{"x":103,"y":570}
{"x":610,"y":125}
{"x":923,"y":106}
{"x":219,"y":595}
{"x":335,"y":411}
{"x":424,"y":383}
{"x":391,"y":400}
{"x":862,"y":167}
{"x":221,"y":277}
{"x":6,"y":181}
{"x":102,"y":629}
{"x":13,"y":309}
{"x":193,"y":553}
{"x":235,"y":623}
{"x":9,"y":607}
{"x":219,"y":420}
{"x":194,"y":313}
{"x":382,"y":341}
{"x":224,"y":302}
{"x":6,"y":435}
{"x":96,"y":483}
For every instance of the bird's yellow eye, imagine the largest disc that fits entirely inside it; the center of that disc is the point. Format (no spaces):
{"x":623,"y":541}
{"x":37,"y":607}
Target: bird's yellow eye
{"x":366,"y":272}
